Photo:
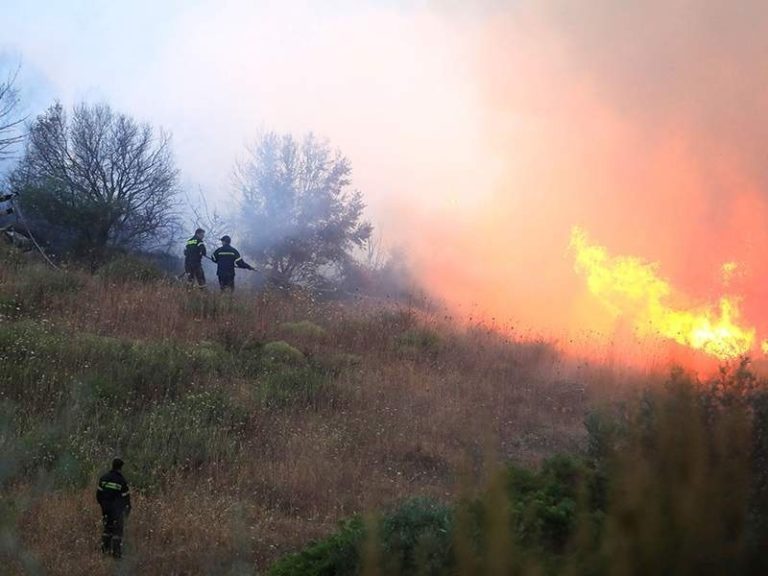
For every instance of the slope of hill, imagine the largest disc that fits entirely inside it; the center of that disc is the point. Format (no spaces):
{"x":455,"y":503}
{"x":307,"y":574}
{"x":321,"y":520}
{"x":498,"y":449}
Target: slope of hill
{"x":250,"y":425}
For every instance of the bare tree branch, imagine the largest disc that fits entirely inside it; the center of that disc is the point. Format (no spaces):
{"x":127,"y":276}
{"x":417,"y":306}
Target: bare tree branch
{"x":10,"y":122}
{"x":100,"y":174}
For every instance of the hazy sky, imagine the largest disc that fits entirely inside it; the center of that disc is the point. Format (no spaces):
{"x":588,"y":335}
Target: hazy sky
{"x":388,"y":82}
{"x":479,"y":137}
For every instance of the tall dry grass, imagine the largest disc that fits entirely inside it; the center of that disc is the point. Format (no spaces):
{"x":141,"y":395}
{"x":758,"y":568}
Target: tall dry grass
{"x":238,"y":456}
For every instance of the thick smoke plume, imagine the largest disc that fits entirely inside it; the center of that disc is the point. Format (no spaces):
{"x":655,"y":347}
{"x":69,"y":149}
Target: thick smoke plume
{"x":642,"y":123}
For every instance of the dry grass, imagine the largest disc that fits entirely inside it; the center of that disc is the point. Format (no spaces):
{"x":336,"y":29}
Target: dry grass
{"x":415,"y":400}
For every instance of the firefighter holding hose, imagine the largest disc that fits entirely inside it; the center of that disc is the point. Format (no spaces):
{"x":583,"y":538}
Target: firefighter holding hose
{"x":227,"y":258}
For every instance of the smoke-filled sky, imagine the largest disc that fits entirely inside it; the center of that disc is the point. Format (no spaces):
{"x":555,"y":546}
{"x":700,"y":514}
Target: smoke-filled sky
{"x":479,"y":136}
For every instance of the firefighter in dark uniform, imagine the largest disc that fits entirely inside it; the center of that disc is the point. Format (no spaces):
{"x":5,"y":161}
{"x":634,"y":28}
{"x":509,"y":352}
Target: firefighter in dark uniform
{"x":194,"y":252}
{"x":114,"y":498}
{"x":227,"y":259}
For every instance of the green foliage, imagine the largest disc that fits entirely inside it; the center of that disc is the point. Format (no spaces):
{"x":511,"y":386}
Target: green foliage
{"x":544,"y":505}
{"x":336,"y":555}
{"x":672,"y":483}
{"x":126,"y":268}
{"x":300,"y":217}
{"x":89,"y":197}
{"x":415,"y":538}
{"x":279,"y":354}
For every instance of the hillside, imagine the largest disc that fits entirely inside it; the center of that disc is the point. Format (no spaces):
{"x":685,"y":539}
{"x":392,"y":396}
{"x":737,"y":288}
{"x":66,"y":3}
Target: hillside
{"x":250,"y":425}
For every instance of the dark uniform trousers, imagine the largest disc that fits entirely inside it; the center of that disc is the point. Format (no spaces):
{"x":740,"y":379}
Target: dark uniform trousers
{"x":113,"y":518}
{"x":194,"y":252}
{"x":195,"y":273}
{"x":114,"y":498}
{"x":227,"y":281}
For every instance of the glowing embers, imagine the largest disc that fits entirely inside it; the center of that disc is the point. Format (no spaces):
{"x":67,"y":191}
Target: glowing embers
{"x":632,"y":288}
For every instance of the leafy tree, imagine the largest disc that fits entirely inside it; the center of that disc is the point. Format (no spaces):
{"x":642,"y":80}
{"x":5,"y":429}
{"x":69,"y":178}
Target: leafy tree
{"x":100,"y":177}
{"x":301,"y":219}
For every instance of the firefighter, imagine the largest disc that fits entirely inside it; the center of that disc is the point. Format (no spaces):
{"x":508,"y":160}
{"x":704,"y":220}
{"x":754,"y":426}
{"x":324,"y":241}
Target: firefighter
{"x":227,"y":258}
{"x":114,"y":498}
{"x":194,"y":252}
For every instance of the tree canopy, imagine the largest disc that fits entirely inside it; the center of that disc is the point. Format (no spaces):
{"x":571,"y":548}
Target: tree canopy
{"x":300,"y":218}
{"x":99,"y":176}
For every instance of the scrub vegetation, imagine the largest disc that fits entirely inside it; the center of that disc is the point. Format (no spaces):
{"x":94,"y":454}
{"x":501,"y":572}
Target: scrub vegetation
{"x":273,"y":433}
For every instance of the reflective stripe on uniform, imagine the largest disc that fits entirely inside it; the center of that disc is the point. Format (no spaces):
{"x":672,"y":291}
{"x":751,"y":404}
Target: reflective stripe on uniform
{"x":112,"y":485}
{"x":226,"y":253}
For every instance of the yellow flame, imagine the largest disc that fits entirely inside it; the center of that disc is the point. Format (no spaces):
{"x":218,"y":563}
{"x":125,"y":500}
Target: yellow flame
{"x":632,"y":287}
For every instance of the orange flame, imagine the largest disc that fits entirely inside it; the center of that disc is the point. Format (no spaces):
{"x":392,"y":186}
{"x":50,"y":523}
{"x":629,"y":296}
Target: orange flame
{"x":630,"y":286}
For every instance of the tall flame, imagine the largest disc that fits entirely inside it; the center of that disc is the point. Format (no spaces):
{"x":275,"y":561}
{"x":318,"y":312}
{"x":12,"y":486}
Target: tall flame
{"x":629,"y":286}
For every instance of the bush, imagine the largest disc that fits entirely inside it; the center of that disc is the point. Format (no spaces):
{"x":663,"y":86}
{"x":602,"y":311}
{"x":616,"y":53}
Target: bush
{"x":279,"y":354}
{"x":303,"y":329}
{"x":544,"y":505}
{"x":417,"y":538}
{"x":413,"y":539}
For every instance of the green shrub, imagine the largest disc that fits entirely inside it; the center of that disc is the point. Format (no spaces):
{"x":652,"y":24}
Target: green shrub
{"x":303,"y":329}
{"x":336,"y":555}
{"x":544,"y":504}
{"x":417,"y":538}
{"x":126,"y":268}
{"x":413,"y":539}
{"x":279,"y":354}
